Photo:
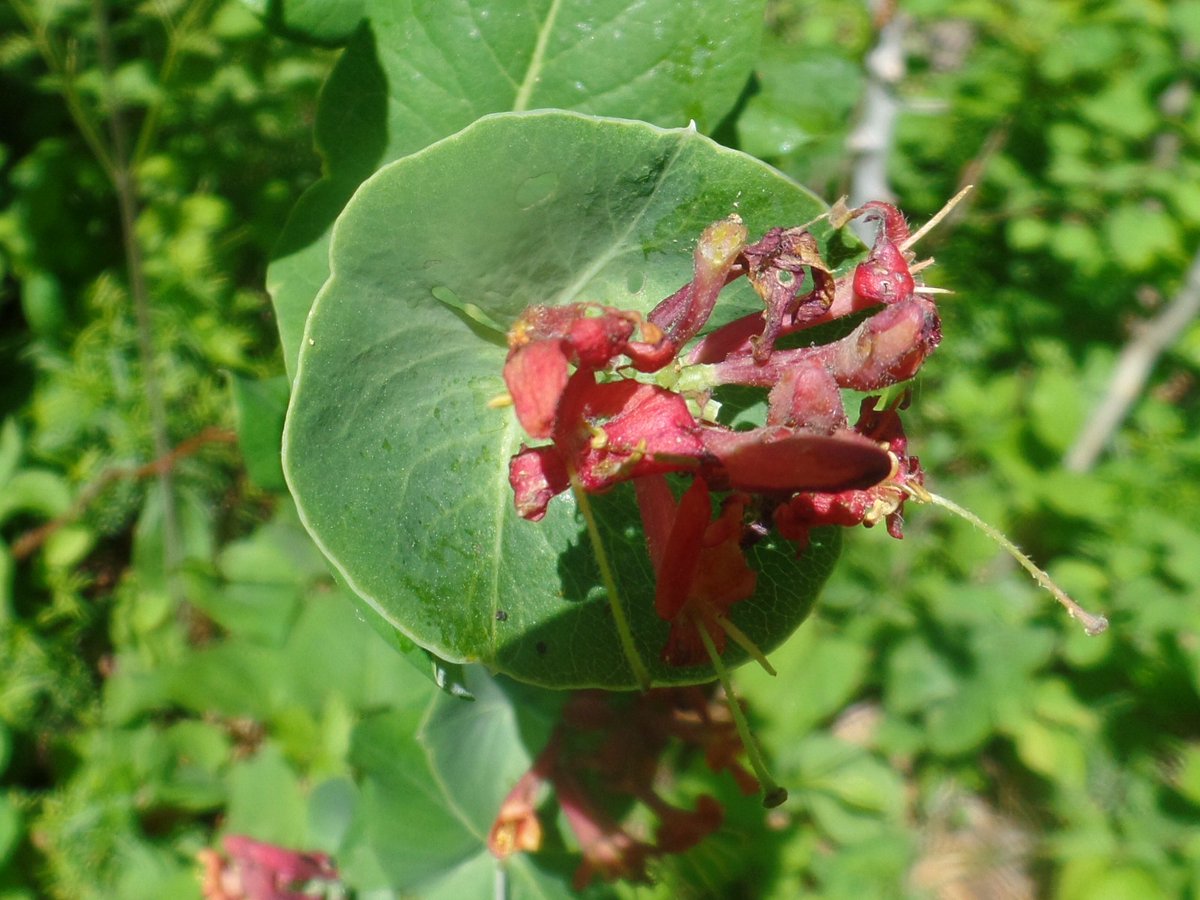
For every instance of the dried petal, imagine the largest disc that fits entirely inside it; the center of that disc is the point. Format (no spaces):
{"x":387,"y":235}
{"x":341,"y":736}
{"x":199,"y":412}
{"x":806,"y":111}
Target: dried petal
{"x":536,"y":474}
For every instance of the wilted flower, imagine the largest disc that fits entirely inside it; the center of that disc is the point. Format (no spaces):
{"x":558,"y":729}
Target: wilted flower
{"x":255,"y":870}
{"x":576,"y":376}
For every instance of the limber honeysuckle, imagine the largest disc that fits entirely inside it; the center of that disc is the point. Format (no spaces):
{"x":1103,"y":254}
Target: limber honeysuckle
{"x":255,"y":870}
{"x":612,"y":396}
{"x":604,"y":756}
{"x":616,"y":396}
{"x":579,"y":378}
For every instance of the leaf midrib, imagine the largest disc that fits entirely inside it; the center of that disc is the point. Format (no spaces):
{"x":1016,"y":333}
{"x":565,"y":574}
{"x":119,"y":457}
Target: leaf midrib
{"x":536,"y":62}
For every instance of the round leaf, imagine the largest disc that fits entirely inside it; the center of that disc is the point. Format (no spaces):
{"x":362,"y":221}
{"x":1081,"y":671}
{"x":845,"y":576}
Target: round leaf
{"x":399,"y":465}
{"x":419,"y":71}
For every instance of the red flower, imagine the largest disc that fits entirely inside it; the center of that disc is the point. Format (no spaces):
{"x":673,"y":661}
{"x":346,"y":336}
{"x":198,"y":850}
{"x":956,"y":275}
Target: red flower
{"x":255,"y":870}
{"x":606,"y":433}
{"x":608,"y":752}
{"x":705,"y":569}
{"x":517,"y":829}
{"x":572,"y":375}
{"x":883,"y":501}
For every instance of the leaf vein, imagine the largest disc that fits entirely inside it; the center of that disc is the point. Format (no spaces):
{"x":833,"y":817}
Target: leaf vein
{"x":537,"y":61}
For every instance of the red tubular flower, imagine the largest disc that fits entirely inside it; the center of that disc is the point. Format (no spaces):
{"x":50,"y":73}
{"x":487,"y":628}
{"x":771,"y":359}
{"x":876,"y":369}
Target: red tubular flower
{"x":777,"y":459}
{"x":517,"y":828}
{"x":618,"y":430}
{"x":610,"y":746}
{"x":608,"y":849}
{"x":547,"y":340}
{"x":683,"y":314}
{"x":884,"y":501}
{"x":571,"y":375}
{"x":776,"y":269}
{"x":884,"y":277}
{"x":887,"y":348}
{"x":807,"y":396}
{"x":883,"y":350}
{"x":680,"y":830}
{"x":537,"y":375}
{"x":255,"y":870}
{"x":536,"y":474}
{"x":701,"y":566}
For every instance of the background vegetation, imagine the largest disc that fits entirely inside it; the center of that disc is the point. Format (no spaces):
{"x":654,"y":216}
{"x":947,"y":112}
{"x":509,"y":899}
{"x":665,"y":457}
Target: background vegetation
{"x":176,"y":662}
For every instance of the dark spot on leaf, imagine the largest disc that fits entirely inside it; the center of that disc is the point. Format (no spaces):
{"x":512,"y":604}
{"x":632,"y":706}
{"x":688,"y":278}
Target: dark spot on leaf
{"x":501,"y":616}
{"x":541,"y":648}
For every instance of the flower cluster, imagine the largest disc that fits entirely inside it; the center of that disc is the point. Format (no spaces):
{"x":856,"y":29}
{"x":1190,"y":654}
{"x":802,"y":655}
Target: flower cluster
{"x":605,"y":753}
{"x":613,"y":396}
{"x":254,"y":870}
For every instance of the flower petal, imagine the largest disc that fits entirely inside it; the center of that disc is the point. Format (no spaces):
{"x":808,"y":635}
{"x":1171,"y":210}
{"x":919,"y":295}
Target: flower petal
{"x":780,"y":459}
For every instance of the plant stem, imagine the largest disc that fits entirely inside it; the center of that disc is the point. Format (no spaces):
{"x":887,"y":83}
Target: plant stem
{"x":175,"y":37}
{"x":773,"y":793}
{"x":127,"y":203}
{"x":83,"y":120}
{"x":624,"y":634}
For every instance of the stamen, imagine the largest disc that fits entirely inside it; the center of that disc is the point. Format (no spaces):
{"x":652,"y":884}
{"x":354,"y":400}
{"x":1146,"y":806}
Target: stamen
{"x":742,"y":639}
{"x":500,"y":401}
{"x":937,"y":217}
{"x":1093,"y":624}
{"x":921,"y":266}
{"x":928,"y":289}
{"x":773,"y":793}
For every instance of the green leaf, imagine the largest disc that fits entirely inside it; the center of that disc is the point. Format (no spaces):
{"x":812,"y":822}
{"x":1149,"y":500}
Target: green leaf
{"x":1185,"y":19}
{"x":6,"y":584}
{"x":1140,"y":235}
{"x":195,"y":526}
{"x":259,"y":405}
{"x":11,"y":826}
{"x":1125,"y":107}
{"x":421,"y":71}
{"x":821,"y":670}
{"x":1187,"y":776}
{"x":405,"y":816}
{"x":398,"y":464}
{"x":479,"y":750}
{"x":801,"y":98}
{"x":851,"y":794}
{"x":266,"y":800}
{"x":960,"y":723}
{"x":322,"y":22}
{"x":1105,"y":880}
{"x":429,"y":801}
{"x":37,"y":491}
{"x":917,"y":677}
{"x":1053,"y":752}
{"x":10,"y":449}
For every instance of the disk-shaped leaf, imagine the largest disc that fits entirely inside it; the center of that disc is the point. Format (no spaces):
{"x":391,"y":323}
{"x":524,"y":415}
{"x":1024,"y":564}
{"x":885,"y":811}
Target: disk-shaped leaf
{"x":419,"y":70}
{"x":399,"y":465}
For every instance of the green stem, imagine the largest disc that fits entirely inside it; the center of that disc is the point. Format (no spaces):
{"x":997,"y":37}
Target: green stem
{"x":773,"y":793}
{"x":127,"y":203}
{"x":176,"y":35}
{"x":610,"y":585}
{"x":83,"y":120}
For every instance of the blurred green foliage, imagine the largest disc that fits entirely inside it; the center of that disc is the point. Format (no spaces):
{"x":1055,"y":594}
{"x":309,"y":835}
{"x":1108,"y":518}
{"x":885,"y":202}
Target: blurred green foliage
{"x":941,"y":726}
